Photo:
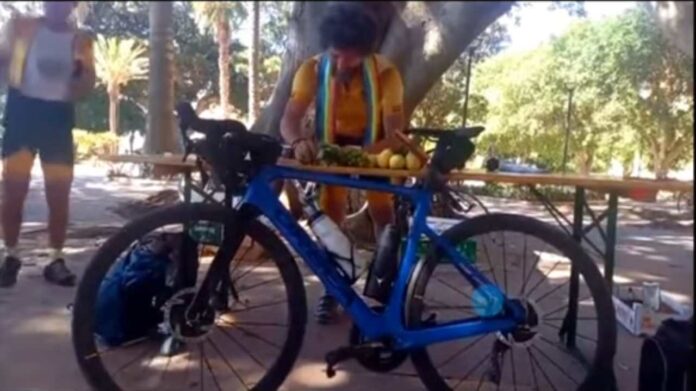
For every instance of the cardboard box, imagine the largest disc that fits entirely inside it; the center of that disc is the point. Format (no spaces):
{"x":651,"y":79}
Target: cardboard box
{"x":635,"y":317}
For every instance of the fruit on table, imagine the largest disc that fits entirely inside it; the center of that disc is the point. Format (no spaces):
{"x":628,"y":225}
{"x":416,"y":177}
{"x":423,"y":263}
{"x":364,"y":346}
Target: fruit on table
{"x":384,"y":157}
{"x":397,"y":162}
{"x":412,"y":161}
{"x":349,"y":156}
{"x":373,"y":160}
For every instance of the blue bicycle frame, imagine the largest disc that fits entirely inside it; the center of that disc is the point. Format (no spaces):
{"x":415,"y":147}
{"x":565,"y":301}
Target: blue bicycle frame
{"x":389,"y":323}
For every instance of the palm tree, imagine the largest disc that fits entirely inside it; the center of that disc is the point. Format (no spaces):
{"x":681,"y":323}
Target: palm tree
{"x":118,"y":61}
{"x":254,"y":65}
{"x":161,"y":132}
{"x":215,"y":16}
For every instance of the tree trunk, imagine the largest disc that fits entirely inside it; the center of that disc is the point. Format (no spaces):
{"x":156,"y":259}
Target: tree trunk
{"x":223,"y":39}
{"x":437,"y":33}
{"x":161,"y":128}
{"x":114,"y":109}
{"x":254,"y":65}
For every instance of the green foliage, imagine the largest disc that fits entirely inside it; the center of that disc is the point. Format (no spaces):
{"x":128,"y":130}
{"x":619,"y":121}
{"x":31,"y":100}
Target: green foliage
{"x":605,"y":64}
{"x":208,"y":14}
{"x":119,"y":60}
{"x":89,"y":144}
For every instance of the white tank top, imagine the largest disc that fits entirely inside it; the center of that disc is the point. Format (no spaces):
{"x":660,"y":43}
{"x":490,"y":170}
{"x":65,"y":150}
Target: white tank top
{"x":55,"y":51}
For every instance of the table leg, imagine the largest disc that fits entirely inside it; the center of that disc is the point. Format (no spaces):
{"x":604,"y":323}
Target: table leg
{"x":570,"y":321}
{"x":187,"y":186}
{"x":610,"y":249}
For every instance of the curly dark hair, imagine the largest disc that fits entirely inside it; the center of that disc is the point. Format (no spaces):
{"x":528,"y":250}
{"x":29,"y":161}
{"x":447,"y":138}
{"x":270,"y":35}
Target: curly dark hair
{"x":348,"y":26}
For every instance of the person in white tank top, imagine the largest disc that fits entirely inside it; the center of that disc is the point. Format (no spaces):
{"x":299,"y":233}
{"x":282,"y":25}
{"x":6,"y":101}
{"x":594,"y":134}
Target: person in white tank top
{"x":48,"y":64}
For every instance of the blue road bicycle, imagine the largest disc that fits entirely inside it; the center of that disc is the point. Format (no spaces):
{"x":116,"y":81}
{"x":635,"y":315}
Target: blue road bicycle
{"x":495,"y":316}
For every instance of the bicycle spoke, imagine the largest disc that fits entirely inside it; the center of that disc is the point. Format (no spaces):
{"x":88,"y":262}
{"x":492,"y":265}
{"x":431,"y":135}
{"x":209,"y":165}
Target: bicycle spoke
{"x":229,"y":365}
{"x":200,"y":353}
{"x":555,"y":265}
{"x":201,"y":348}
{"x":113,"y":349}
{"x":529,"y":274}
{"x":439,"y":305}
{"x":258,"y":284}
{"x":252,"y":334}
{"x":504,"y":264}
{"x":490,"y":264}
{"x":524,"y":265}
{"x":441,"y":281}
{"x":131,"y":362}
{"x":236,"y":280}
{"x":242,"y":347}
{"x":578,"y":318}
{"x":514,"y":372}
{"x":579,"y":335}
{"x":466,"y":375}
{"x":533,"y":360}
{"x":549,"y":342}
{"x":545,"y":295}
{"x":459,"y":352}
{"x":261,"y":324}
{"x":561,"y":308}
{"x":241,"y":258}
{"x":560,"y":369}
{"x":255,"y":307}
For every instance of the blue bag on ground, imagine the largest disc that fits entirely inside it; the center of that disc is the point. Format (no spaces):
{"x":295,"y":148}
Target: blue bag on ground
{"x":131,"y":296}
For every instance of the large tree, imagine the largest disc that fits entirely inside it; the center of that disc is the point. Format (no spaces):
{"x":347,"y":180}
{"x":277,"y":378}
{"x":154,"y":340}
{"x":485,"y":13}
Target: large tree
{"x":118,"y":62}
{"x":254,"y":62}
{"x":161,"y":129}
{"x":631,"y":90}
{"x":437,"y":33}
{"x":216,"y":16}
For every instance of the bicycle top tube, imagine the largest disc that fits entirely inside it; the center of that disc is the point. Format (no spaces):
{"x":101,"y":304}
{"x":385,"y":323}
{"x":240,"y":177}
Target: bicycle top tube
{"x":375,"y":183}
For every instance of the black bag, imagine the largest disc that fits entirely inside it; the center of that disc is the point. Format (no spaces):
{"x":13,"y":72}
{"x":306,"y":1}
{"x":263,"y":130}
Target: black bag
{"x":665,"y":358}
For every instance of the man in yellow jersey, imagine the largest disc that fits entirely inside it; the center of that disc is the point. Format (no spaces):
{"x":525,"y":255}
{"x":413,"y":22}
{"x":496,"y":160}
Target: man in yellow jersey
{"x":47,"y":64}
{"x":358,"y":97}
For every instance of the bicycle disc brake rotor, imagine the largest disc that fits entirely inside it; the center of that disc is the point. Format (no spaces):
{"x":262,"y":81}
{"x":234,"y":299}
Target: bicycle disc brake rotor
{"x":176,"y":321}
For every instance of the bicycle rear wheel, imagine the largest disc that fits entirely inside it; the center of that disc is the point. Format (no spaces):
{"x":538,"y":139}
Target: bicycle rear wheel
{"x":252,"y":345}
{"x":531,"y":261}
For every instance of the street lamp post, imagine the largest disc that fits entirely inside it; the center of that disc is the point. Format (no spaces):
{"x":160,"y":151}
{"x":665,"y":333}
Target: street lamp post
{"x":567,"y":132}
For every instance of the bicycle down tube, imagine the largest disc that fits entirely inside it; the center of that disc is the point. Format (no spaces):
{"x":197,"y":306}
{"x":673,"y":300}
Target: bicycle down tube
{"x":391,"y":322}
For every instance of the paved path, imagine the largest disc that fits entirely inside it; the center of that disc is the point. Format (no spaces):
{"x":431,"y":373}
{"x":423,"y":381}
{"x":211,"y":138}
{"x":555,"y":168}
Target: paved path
{"x":35,"y":348}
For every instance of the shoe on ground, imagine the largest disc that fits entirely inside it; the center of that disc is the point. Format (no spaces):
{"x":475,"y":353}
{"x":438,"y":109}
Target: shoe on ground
{"x":9,"y":269}
{"x":58,"y":273}
{"x":327,"y":310}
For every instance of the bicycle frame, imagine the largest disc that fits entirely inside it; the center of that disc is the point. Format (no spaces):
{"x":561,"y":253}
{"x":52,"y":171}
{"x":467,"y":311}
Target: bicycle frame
{"x":389,"y":323}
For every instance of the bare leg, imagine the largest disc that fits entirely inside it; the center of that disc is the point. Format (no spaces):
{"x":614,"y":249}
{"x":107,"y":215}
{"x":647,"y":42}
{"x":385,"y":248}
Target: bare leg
{"x":58,"y":181}
{"x":381,"y":211}
{"x":16,"y":177}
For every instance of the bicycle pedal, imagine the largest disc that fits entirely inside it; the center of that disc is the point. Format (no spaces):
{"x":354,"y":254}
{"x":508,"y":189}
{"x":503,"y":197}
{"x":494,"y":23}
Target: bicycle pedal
{"x":339,"y":355}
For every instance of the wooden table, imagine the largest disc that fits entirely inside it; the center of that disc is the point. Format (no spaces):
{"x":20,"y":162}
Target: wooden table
{"x":576,"y":229}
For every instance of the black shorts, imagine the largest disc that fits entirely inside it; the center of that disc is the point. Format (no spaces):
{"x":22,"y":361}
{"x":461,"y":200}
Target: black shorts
{"x":40,"y":126}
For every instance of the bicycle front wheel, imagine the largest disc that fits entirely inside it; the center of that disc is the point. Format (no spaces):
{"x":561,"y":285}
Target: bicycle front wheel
{"x":536,"y":264}
{"x":250,"y":345}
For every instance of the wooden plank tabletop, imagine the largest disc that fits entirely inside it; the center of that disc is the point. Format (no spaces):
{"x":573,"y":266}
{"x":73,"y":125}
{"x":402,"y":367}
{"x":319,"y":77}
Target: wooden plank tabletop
{"x":595,"y":182}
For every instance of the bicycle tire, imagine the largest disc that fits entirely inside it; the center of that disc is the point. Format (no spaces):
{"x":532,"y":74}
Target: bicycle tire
{"x":601,"y":377}
{"x":83,"y":314}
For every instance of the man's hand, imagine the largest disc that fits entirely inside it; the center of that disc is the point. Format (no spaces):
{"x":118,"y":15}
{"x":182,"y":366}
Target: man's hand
{"x":305,"y":150}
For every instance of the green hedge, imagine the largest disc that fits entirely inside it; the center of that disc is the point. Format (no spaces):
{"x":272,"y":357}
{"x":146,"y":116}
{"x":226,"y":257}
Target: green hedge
{"x":92,"y":144}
